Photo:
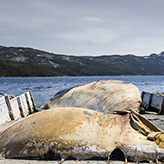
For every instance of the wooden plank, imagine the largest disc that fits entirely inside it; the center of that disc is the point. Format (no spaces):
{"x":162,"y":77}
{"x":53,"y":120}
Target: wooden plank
{"x":24,"y":104}
{"x":20,"y":107}
{"x":157,"y":102}
{"x":152,"y":102}
{"x":2,"y":100}
{"x":3,"y":105}
{"x":9,"y":107}
{"x":15,"y":108}
{"x":28,"y":103}
{"x":146,"y":100}
{"x":162,"y":107}
{"x":4,"y":114}
{"x":34,"y":107}
{"x":4,"y":117}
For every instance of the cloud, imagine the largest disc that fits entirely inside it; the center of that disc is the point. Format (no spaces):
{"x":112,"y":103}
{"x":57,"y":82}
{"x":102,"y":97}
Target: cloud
{"x":96,"y":35}
{"x":92,"y":19}
{"x":84,"y":27}
{"x":10,"y":39}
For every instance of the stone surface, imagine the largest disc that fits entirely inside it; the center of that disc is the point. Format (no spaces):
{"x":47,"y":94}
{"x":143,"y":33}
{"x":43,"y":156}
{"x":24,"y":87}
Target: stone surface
{"x":156,"y":119}
{"x":14,"y":161}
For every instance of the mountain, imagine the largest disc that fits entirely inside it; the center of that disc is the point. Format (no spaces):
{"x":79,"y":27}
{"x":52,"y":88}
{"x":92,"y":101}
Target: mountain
{"x":13,"y":68}
{"x":134,"y":65}
{"x":19,"y":61}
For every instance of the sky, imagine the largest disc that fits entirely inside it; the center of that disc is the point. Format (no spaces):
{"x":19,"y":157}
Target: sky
{"x":84,"y":27}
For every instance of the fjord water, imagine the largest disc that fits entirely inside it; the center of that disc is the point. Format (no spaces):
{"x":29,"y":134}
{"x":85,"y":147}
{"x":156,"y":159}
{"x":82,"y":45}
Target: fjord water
{"x":43,"y":88}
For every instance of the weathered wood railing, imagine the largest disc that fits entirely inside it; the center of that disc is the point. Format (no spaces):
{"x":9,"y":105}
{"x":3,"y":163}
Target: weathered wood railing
{"x":15,"y":108}
{"x":152,"y":102}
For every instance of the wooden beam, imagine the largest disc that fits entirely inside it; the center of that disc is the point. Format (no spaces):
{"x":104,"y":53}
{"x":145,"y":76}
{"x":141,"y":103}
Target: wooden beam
{"x":20,"y":107}
{"x":9,"y":108}
{"x":28,"y":103}
{"x":34,"y":107}
{"x":152,"y":102}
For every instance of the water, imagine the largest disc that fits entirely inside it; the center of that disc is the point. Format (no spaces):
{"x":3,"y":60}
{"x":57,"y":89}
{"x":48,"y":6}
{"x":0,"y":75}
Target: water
{"x":43,"y":88}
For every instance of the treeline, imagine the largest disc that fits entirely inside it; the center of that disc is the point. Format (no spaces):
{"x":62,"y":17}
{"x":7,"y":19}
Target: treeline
{"x":12,"y":68}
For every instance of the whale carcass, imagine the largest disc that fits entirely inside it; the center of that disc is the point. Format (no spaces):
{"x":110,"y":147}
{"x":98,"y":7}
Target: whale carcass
{"x":103,"y":96}
{"x":87,"y":128}
{"x":77,"y":133}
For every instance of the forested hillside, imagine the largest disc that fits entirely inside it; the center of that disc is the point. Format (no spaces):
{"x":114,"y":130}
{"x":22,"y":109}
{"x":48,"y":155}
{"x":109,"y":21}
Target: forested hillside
{"x":19,"y":61}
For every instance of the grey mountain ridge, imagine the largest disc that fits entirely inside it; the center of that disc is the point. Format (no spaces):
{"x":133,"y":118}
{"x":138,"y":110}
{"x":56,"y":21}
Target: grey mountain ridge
{"x":66,"y":65}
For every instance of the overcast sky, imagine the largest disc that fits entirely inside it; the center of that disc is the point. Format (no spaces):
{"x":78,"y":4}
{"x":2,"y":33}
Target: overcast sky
{"x":84,"y":27}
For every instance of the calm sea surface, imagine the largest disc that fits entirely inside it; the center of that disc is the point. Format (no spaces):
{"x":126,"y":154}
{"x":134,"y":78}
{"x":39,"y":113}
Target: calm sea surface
{"x":43,"y":88}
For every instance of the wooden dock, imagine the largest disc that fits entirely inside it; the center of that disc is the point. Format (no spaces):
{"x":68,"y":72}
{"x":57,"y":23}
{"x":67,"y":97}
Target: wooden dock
{"x":17,"y":107}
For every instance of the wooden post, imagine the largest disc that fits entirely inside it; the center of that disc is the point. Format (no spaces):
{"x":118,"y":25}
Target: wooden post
{"x":142,"y":95}
{"x":34,"y":107}
{"x":149,"y":102}
{"x":9,"y":108}
{"x":28,"y":103}
{"x":20,"y":107}
{"x":161,"y":107}
{"x":146,"y":100}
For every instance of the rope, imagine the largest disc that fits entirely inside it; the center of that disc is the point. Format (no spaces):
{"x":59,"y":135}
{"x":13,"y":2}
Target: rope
{"x":146,"y":127}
